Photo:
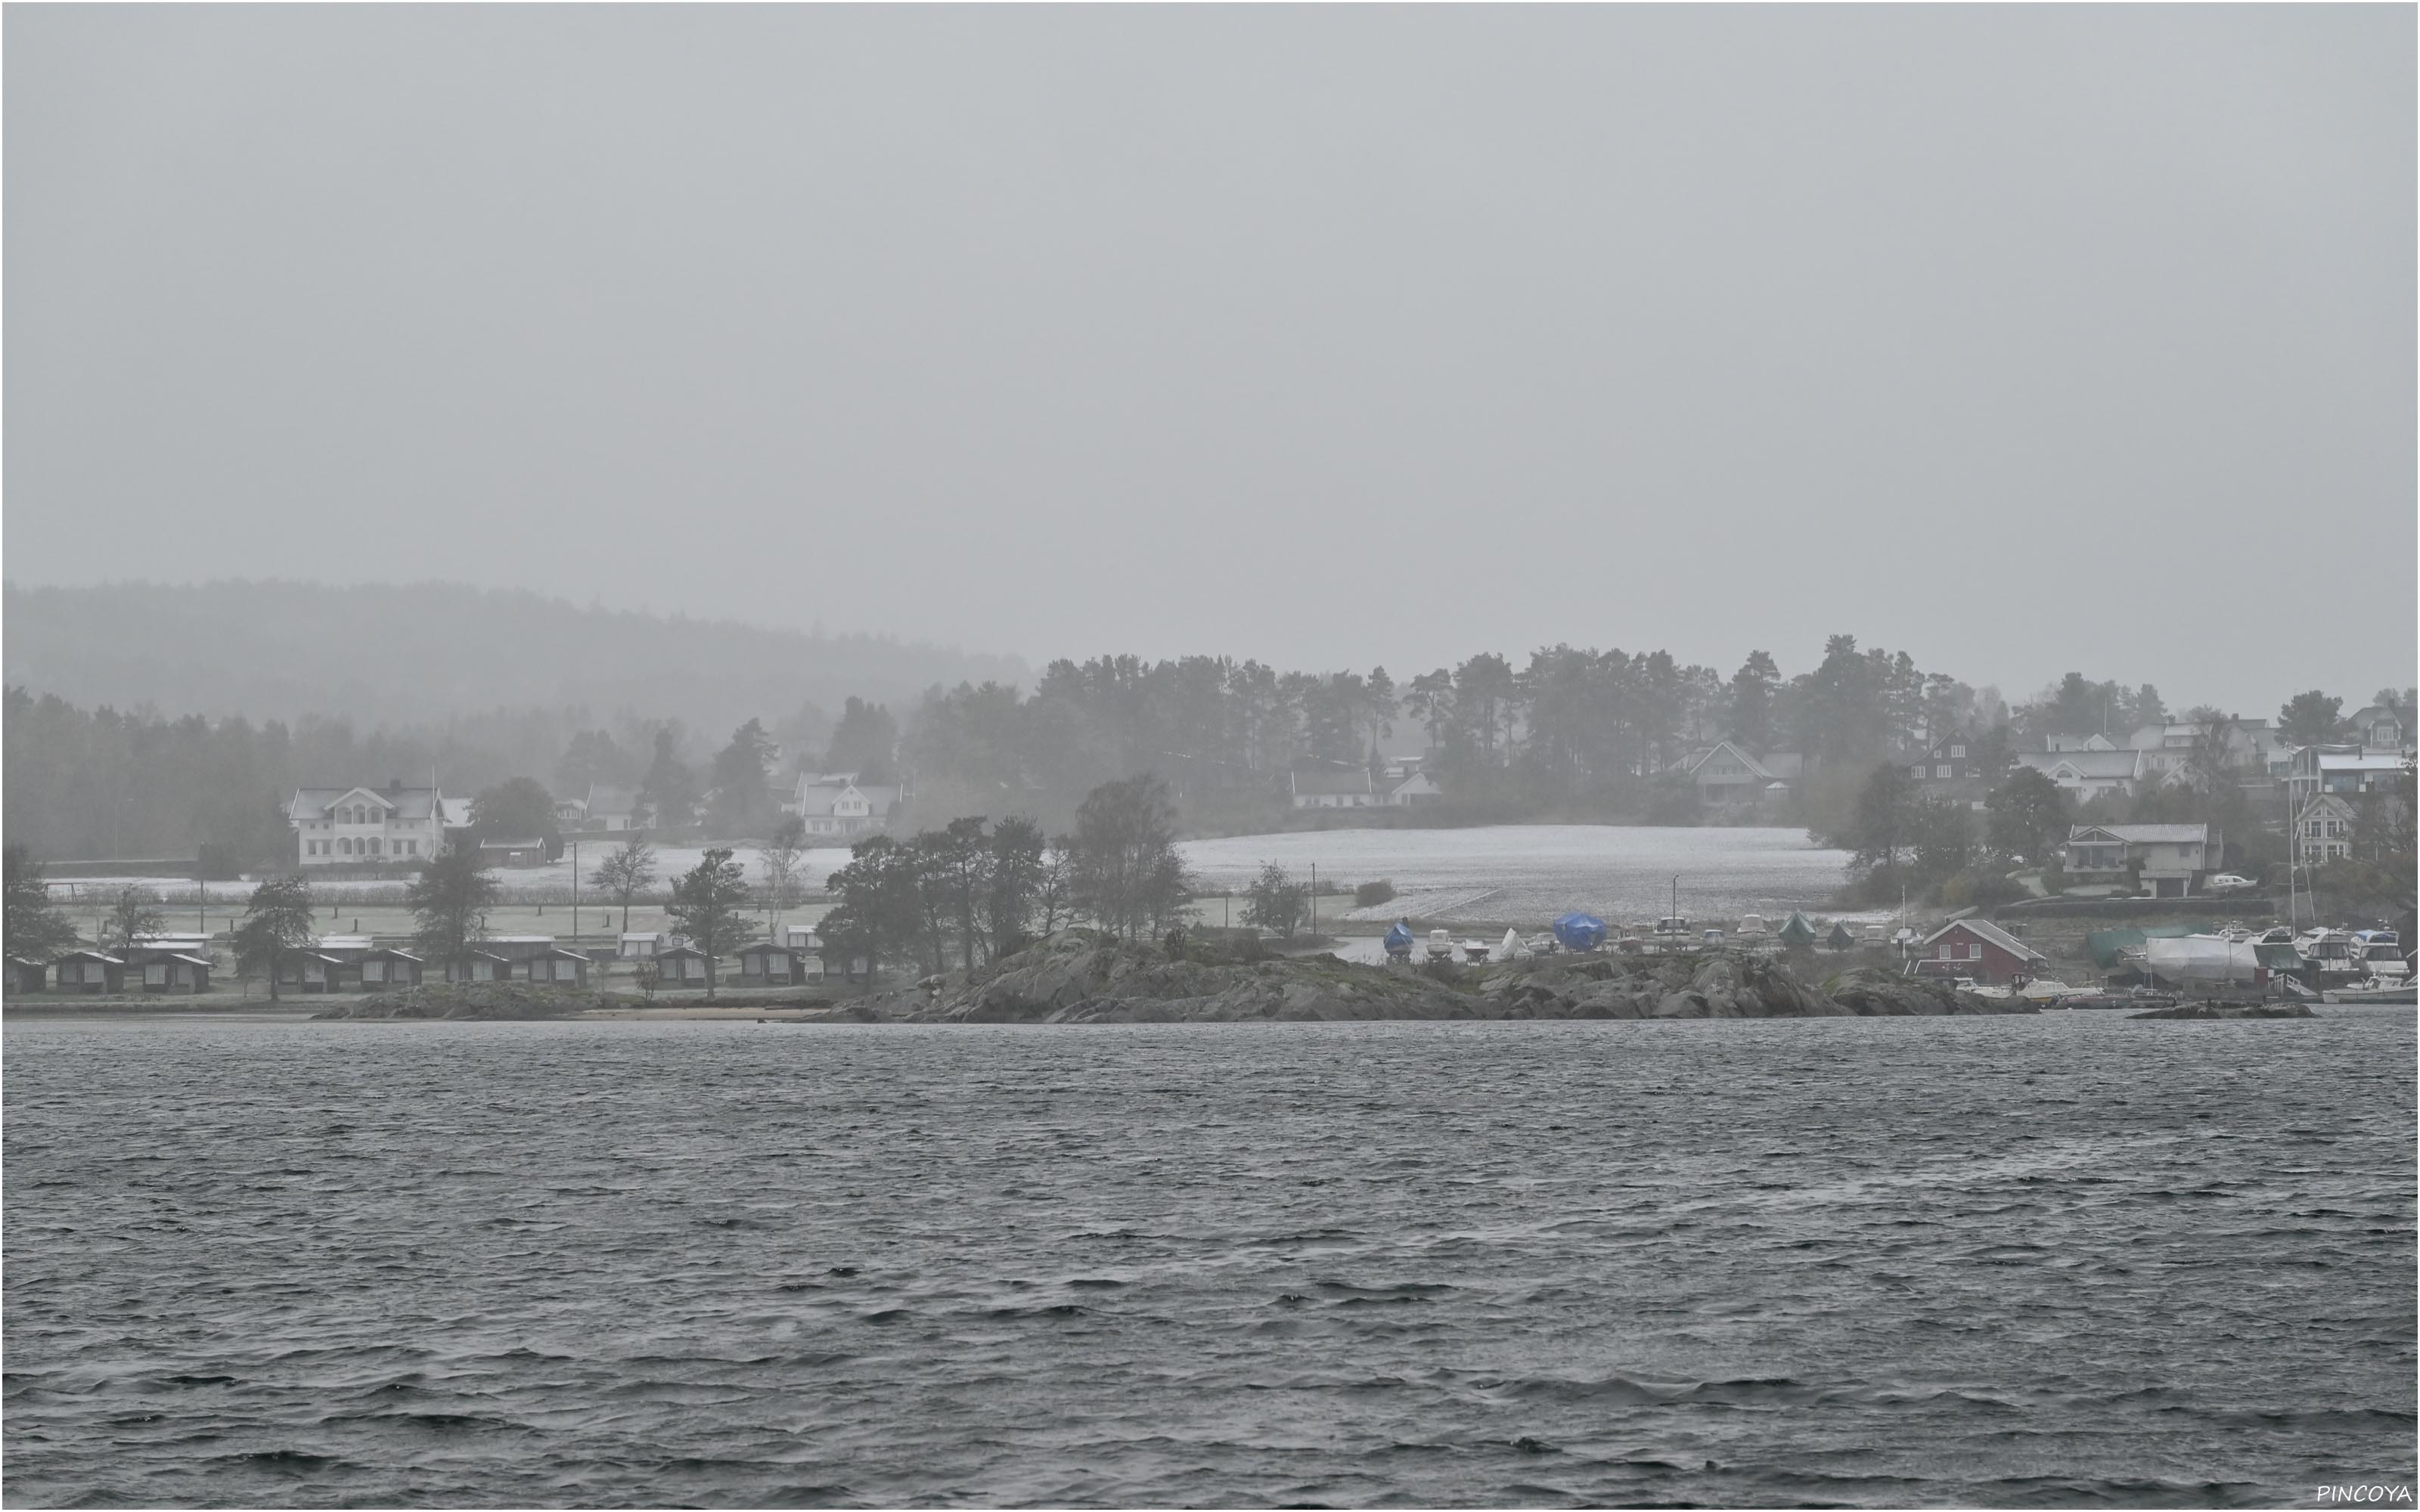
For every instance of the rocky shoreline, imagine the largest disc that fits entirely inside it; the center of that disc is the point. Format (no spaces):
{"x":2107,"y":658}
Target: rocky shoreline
{"x":1075,"y":977}
{"x":466,"y":1000}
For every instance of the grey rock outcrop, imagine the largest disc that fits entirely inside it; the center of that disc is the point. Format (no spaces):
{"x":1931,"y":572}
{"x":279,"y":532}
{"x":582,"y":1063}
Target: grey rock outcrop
{"x":1079,"y":976}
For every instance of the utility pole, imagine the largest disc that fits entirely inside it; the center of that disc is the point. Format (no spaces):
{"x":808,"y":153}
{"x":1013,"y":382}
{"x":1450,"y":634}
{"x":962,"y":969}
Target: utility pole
{"x":1314,"y":899}
{"x":575,"y":891}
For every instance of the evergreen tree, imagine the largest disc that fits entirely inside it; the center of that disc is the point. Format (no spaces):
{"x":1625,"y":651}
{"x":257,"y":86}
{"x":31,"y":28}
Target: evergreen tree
{"x":2309,"y":718}
{"x":449,"y":901}
{"x":2030,"y":816}
{"x":709,"y":906}
{"x":36,"y":931}
{"x":277,"y":923}
{"x":669,"y":792}
{"x":742,"y":801}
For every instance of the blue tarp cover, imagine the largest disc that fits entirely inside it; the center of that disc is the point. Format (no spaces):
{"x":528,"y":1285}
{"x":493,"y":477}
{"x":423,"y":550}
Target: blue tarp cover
{"x":1399,"y":937}
{"x":1579,"y":932}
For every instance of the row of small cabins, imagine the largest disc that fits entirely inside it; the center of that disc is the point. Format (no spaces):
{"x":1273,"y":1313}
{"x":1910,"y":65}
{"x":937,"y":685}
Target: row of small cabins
{"x":354,"y":963}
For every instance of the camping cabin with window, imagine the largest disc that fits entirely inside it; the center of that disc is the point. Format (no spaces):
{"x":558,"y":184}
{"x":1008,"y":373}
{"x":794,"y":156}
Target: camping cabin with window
{"x":392,"y":968}
{"x":682,"y":965}
{"x":480,"y":966}
{"x":763,"y":964}
{"x":557,"y":967}
{"x":91,"y":971}
{"x":177,"y":973}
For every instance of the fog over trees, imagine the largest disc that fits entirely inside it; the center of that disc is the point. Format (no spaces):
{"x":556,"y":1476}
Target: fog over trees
{"x":1566,"y":733}
{"x":429,"y":652}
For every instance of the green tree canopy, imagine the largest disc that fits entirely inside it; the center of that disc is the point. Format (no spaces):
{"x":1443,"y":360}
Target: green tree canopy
{"x":518,"y":809}
{"x":277,"y":923}
{"x":2309,"y":718}
{"x":866,"y":741}
{"x":449,"y":901}
{"x":741,"y":801}
{"x":709,"y":906}
{"x":1129,"y":874}
{"x":1275,"y":900}
{"x":2030,"y":816}
{"x":36,"y":931}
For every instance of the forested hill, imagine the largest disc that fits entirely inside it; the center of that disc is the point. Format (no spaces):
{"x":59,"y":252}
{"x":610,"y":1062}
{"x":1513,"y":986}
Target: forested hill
{"x":423,"y":652}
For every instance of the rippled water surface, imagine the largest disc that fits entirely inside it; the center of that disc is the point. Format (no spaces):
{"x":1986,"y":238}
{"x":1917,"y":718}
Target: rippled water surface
{"x":2066,"y":1259}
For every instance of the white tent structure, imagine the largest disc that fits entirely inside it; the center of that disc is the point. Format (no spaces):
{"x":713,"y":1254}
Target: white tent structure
{"x":1510,"y":946}
{"x":2202,"y":959}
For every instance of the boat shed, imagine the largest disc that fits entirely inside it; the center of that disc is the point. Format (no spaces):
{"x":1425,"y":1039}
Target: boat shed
{"x":1980,"y":948}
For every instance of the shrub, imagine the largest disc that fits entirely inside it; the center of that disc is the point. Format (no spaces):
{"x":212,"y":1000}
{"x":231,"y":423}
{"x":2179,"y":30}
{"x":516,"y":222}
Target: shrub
{"x":1371,"y":894}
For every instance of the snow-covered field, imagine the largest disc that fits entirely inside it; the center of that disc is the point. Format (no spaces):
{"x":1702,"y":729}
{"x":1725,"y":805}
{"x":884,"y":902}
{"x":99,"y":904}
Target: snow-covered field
{"x":1515,"y":872}
{"x":1528,"y":873}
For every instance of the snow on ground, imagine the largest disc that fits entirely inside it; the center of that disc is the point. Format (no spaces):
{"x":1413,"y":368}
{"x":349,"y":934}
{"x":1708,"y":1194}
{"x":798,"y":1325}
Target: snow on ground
{"x":1531,"y":872}
{"x":1525,"y":873}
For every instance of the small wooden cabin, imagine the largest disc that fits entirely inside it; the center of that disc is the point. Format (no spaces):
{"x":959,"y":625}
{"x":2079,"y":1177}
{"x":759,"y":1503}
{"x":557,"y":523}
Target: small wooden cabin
{"x":28,"y":975}
{"x":683,"y":966}
{"x":480,"y":966}
{"x":391,"y":968}
{"x":317,"y":971}
{"x":766,"y":964}
{"x":177,"y":972}
{"x":91,"y":971}
{"x":555,"y":966}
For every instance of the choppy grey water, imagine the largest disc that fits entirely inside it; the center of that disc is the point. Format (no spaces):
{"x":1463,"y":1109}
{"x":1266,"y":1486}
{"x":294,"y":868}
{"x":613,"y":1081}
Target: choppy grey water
{"x":2066,"y":1259}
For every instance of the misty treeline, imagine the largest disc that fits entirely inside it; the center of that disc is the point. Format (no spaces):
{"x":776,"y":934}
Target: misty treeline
{"x":1572,"y":732}
{"x":104,"y":783}
{"x":418,"y":655}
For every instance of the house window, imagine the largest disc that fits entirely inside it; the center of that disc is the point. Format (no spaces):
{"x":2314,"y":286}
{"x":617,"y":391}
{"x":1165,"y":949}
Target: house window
{"x":1943,"y":770}
{"x":1917,"y":770}
{"x":1957,"y":751}
{"x":1973,"y":952}
{"x":156,"y":974}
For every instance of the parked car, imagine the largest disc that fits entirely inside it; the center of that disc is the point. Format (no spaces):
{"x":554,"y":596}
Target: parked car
{"x":2228,"y":882}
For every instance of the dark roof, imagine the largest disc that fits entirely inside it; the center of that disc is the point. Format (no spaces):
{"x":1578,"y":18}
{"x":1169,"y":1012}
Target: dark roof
{"x":1320,"y":783}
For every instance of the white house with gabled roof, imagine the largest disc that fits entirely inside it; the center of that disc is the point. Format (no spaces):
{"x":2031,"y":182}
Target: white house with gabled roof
{"x":1728,"y":773}
{"x":366,"y":826}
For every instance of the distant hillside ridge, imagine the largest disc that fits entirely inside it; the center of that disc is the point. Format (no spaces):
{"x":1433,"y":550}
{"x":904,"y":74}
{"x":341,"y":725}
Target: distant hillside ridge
{"x":390,"y":653}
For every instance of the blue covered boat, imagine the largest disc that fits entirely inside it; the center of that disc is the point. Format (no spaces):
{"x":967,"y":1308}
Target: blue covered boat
{"x":1576,"y":931}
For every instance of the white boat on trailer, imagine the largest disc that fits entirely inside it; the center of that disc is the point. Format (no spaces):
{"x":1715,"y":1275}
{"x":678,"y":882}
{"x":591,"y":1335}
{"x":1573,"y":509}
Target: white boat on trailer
{"x":2375,"y":990}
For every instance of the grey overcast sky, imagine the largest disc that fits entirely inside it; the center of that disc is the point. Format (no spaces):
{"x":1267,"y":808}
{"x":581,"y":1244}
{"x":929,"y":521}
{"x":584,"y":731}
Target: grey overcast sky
{"x":2029,"y":339}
